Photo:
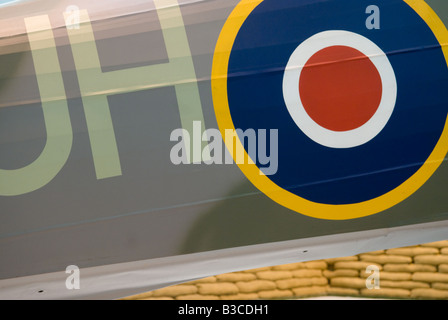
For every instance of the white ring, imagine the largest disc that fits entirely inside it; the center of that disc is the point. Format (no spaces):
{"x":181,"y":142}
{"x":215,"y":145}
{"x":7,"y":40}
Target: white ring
{"x":291,"y":94}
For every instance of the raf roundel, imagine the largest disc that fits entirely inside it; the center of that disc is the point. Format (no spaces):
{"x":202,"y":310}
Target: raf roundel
{"x":361,"y":114}
{"x":339,"y":88}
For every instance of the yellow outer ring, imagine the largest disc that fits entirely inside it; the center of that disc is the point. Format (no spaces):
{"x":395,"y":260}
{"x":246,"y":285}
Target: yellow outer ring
{"x":283,"y":197}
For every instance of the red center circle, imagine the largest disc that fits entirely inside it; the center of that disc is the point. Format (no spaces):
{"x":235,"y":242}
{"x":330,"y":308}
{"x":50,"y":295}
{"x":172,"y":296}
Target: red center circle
{"x":340,"y":88}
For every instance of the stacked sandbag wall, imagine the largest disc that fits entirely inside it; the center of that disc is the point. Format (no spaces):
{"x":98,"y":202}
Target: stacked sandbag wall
{"x":416,"y":272}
